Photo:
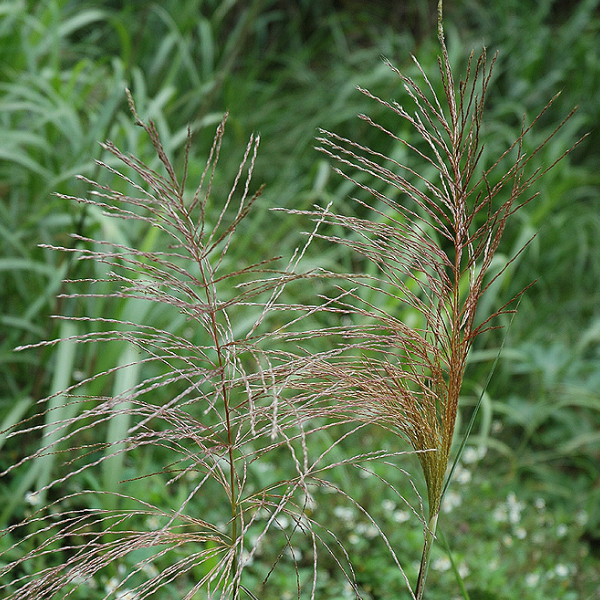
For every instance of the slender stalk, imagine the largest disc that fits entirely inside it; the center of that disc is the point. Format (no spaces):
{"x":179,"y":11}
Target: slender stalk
{"x":429,"y":537}
{"x":224,"y":390}
{"x":232,"y":472}
{"x":455,"y":351}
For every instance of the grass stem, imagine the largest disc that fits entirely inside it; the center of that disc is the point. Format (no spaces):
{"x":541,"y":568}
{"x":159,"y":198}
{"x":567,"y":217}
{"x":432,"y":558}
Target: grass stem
{"x":429,"y":538}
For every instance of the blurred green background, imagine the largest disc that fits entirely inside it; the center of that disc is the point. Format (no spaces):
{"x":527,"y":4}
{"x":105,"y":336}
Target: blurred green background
{"x":284,"y":69}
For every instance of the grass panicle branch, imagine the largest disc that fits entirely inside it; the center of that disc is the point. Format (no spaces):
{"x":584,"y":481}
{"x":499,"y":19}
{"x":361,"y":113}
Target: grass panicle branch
{"x":427,"y":246}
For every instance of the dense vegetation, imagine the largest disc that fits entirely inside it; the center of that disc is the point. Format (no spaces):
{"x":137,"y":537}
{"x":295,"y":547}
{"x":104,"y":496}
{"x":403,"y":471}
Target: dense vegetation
{"x":522,"y":519}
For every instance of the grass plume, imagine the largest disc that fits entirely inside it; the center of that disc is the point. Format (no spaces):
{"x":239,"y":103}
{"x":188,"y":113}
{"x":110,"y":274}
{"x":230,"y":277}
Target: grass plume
{"x":427,"y":245}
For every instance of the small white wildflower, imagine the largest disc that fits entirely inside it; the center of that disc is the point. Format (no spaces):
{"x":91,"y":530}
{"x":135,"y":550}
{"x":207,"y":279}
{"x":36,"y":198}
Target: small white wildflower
{"x":256,"y":542}
{"x":152,"y":523}
{"x":344,"y":513}
{"x":388,"y":505}
{"x":538,"y":538}
{"x":497,"y":426}
{"x":79,"y":578}
{"x":78,"y":375}
{"x":262,"y":514}
{"x":532,"y":579}
{"x":540,"y":504}
{"x":294,"y":553}
{"x":514,"y":508}
{"x":111,"y":585}
{"x":192,"y":474}
{"x":150,"y":570}
{"x":561,"y":570}
{"x":472,"y":455}
{"x":562,"y":530}
{"x":365,"y":473}
{"x":282,"y":522}
{"x":451,"y":500}
{"x":463,"y":570}
{"x":581,"y":517}
{"x":507,"y":540}
{"x":401,"y":516}
{"x":353,"y":539}
{"x":521,"y":533}
{"x":442,"y":563}
{"x":368,"y":530}
{"x":33,"y":498}
{"x":500,"y":515}
{"x":462,"y":475}
{"x":246,"y":559}
{"x":348,"y":590}
{"x":469,"y":456}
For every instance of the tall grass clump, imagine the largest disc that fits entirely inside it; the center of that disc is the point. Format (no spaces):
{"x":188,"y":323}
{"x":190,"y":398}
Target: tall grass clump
{"x":256,"y":377}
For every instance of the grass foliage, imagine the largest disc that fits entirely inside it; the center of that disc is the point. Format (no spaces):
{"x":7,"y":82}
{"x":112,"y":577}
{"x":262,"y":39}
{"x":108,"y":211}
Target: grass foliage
{"x":230,"y":406}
